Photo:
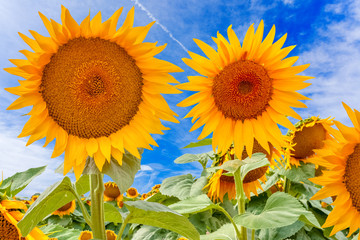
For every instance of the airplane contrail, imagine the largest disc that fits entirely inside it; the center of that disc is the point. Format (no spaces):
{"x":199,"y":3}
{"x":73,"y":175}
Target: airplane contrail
{"x":158,"y":23}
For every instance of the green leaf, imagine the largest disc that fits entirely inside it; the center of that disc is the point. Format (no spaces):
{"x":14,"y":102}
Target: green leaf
{"x":20,"y":180}
{"x":257,"y":160}
{"x":158,"y":215}
{"x":270,"y":182}
{"x":112,"y":214}
{"x":280,"y":210}
{"x":226,"y":232}
{"x":182,"y":186}
{"x":187,"y":158}
{"x":61,"y":233}
{"x":300,"y":173}
{"x":203,"y":142}
{"x":57,"y":220}
{"x":193,"y":205}
{"x":154,"y":233}
{"x":197,"y":187}
{"x":53,"y":198}
{"x":281,"y":233}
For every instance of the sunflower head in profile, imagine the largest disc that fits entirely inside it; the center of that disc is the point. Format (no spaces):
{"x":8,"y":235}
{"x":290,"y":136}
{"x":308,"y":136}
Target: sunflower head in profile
{"x":112,"y":192}
{"x":244,"y":91}
{"x":341,"y":180}
{"x":307,"y":138}
{"x":86,"y":235}
{"x":94,"y":88}
{"x":220,"y":184}
{"x":132,"y":193}
{"x":10,"y":213}
{"x":66,"y":209}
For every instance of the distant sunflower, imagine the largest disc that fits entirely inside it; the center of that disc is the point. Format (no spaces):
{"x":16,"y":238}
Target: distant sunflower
{"x":112,"y":192}
{"x":132,"y":193}
{"x":33,"y":198}
{"x":245,"y":90}
{"x":342,"y":158}
{"x":66,"y":209}
{"x":120,"y":202}
{"x":86,"y":235}
{"x":10,"y":214}
{"x":110,"y":235}
{"x":220,"y":184}
{"x":143,"y":196}
{"x":94,"y":88}
{"x":308,"y":136}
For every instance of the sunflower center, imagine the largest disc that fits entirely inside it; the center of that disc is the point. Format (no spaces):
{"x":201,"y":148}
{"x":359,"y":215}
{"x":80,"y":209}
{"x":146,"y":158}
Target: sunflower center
{"x":229,"y":179}
{"x":86,"y":235}
{"x":8,"y":231}
{"x":308,"y":139}
{"x":92,"y":87}
{"x":132,"y":192}
{"x":352,"y":177}
{"x":65,"y":207}
{"x":242,"y":90}
{"x":112,"y":192}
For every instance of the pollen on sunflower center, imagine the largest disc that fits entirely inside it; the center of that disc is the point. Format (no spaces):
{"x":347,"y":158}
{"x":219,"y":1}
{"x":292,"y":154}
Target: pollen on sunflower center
{"x":92,"y":87}
{"x":8,"y":231}
{"x":308,"y":139}
{"x":352,"y":177}
{"x":65,"y":207}
{"x":242,"y":90}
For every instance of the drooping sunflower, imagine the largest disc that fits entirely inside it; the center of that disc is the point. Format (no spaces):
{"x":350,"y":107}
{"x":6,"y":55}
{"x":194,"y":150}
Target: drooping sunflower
{"x":94,"y":88}
{"x":309,"y":135}
{"x":132,"y":193}
{"x":66,"y":209}
{"x":342,"y":159}
{"x":245,"y":90}
{"x":110,"y":235}
{"x":10,"y":214}
{"x":86,"y":235}
{"x":220,"y":184}
{"x":112,"y":192}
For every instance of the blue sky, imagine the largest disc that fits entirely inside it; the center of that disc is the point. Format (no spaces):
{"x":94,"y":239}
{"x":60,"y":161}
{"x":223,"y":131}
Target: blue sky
{"x":327,"y":35}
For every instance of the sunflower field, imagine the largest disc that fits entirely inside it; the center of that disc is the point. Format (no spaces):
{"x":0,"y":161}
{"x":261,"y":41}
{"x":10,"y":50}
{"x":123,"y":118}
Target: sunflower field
{"x":96,"y":90}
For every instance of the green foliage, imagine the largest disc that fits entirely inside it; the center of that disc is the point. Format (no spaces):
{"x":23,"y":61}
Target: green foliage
{"x":158,"y":215}
{"x":154,"y":233}
{"x":299,"y":174}
{"x":193,"y":205}
{"x":280,"y":210}
{"x":14,"y":184}
{"x":112,"y":214}
{"x":61,"y":233}
{"x":54,"y":197}
{"x":203,"y":142}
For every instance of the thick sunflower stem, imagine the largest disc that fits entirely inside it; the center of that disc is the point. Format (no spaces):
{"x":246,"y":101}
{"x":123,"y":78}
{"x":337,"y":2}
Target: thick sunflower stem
{"x":240,"y":198}
{"x":97,"y":206}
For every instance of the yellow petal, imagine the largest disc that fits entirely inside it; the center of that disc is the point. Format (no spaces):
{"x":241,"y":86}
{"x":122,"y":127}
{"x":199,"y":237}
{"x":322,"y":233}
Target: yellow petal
{"x":92,"y":146}
{"x":105,"y":147}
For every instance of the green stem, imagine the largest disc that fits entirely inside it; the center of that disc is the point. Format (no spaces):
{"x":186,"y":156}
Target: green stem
{"x":287,"y":184}
{"x":82,"y":207}
{"x":97,"y":206}
{"x":123,"y":225}
{"x":240,"y":198}
{"x":253,"y":234}
{"x":238,"y":234}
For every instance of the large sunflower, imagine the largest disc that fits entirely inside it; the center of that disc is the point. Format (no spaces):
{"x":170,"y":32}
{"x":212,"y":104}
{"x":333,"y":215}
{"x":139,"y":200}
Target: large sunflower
{"x":10,"y":214}
{"x":220,"y":184}
{"x":308,"y":136}
{"x":342,"y":158}
{"x":66,"y":209}
{"x":245,"y":90}
{"x":94,"y":88}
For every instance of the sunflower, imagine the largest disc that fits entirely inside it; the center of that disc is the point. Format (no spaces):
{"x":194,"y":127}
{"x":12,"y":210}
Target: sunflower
{"x":143,"y":196}
{"x":33,"y":198}
{"x":120,"y":202}
{"x":110,"y":235}
{"x":342,"y":159}
{"x":308,"y":135}
{"x":66,"y":209}
{"x":132,"y":193}
{"x":94,"y":88}
{"x":10,"y":214}
{"x":245,"y":90}
{"x":112,"y":192}
{"x":220,"y":184}
{"x":86,"y":235}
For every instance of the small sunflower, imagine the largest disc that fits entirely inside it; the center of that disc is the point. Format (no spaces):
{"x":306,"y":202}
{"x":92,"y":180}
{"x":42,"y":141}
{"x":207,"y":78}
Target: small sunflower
{"x":112,"y":192}
{"x":10,"y":214}
{"x":86,"y":235}
{"x":245,"y":91}
{"x":120,"y":202}
{"x":220,"y":184}
{"x":308,"y":136}
{"x":94,"y":88}
{"x":66,"y":209}
{"x":132,"y":193}
{"x":143,"y":196}
{"x":33,"y":198}
{"x":157,"y":186}
{"x":110,"y":235}
{"x":341,"y":180}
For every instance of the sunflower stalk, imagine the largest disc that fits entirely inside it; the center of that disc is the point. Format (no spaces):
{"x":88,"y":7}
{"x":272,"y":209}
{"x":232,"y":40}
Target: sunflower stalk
{"x":82,"y":207}
{"x":287,"y":184}
{"x":240,"y":198}
{"x":123,"y":225}
{"x":97,"y":206}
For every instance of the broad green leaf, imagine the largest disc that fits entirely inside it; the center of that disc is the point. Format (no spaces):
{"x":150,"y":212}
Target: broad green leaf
{"x":154,"y":233}
{"x":181,"y":186}
{"x":198,"y":185}
{"x":281,"y":233}
{"x":57,"y":220}
{"x":257,"y":160}
{"x":193,"y":205}
{"x":280,"y":210}
{"x":203,"y":142}
{"x":302,"y":235}
{"x":226,"y":232}
{"x":61,"y":233}
{"x":269,"y":182}
{"x":54,"y":197}
{"x":231,"y":166}
{"x":158,"y":215}
{"x":112,"y":214}
{"x":300,"y":173}
{"x":20,"y":180}
{"x":187,"y":158}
